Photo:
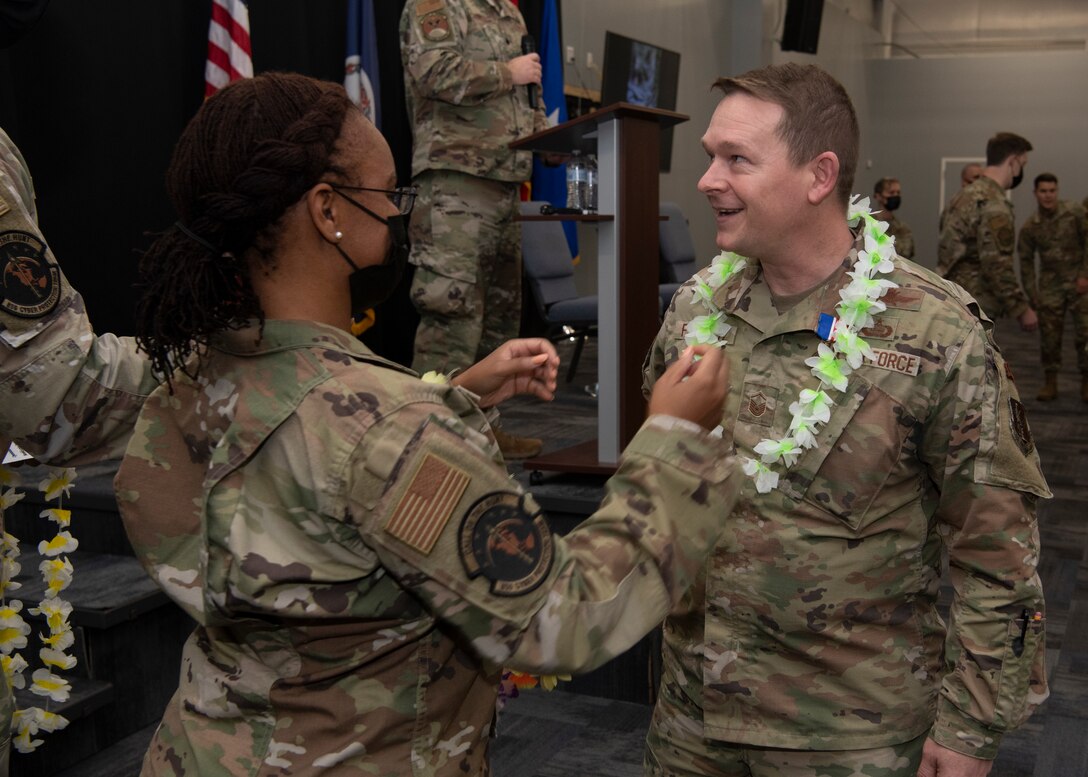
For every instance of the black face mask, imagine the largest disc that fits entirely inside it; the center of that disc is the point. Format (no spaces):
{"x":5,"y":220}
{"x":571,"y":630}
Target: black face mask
{"x":1016,"y":179}
{"x":892,"y":203}
{"x":370,"y":286}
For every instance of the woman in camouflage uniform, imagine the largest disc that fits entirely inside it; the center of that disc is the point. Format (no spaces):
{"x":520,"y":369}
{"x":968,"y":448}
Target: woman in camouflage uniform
{"x":345,"y":535}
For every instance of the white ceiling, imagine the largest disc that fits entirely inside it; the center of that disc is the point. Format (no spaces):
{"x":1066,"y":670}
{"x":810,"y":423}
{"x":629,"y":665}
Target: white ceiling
{"x":963,"y":27}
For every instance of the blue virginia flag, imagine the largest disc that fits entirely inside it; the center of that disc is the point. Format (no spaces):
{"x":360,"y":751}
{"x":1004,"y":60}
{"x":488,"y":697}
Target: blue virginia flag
{"x":550,"y":183}
{"x":361,"y":64}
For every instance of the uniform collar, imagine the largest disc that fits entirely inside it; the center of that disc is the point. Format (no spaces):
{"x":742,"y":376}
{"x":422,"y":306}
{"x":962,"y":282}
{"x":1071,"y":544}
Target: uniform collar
{"x":748,"y":297}
{"x":281,"y":335}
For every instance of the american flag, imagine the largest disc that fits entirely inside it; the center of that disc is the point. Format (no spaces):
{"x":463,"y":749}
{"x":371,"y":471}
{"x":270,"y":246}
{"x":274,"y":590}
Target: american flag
{"x":425,"y":508}
{"x":229,"y":53}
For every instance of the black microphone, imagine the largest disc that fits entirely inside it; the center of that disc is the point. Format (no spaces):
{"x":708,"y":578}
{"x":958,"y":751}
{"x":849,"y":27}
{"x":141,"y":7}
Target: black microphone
{"x":528,"y":46}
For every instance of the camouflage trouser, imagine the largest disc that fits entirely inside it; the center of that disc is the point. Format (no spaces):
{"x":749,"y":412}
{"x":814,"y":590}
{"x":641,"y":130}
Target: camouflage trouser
{"x":466,"y":245}
{"x":675,"y":747}
{"x":1052,"y":307}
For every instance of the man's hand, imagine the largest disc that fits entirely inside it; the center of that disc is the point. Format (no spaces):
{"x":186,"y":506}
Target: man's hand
{"x":1082,"y":285}
{"x":526,"y":69}
{"x":1029,"y":322}
{"x":525,"y":366}
{"x":693,"y":390}
{"x":939,"y":761}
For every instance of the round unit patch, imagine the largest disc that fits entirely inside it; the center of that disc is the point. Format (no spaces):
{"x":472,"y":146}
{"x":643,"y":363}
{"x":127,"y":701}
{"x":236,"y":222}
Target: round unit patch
{"x":501,"y":540}
{"x":29,"y":281}
{"x":1018,"y":421}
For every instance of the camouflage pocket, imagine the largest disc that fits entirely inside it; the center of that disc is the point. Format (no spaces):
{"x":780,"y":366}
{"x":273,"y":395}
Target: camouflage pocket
{"x":1012,"y":704}
{"x":858,"y":450}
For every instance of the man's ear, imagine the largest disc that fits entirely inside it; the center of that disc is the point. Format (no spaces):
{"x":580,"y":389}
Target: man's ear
{"x":825,"y":177}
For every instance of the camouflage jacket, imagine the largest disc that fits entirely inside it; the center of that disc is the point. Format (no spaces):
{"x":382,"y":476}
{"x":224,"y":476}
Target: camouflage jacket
{"x":1061,"y":240}
{"x":815,"y":626}
{"x":356,"y":557}
{"x":977,"y":244}
{"x":464,"y":108}
{"x":904,"y":238}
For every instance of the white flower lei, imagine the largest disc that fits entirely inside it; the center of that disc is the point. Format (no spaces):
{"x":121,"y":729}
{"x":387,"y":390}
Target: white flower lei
{"x":835,"y":359}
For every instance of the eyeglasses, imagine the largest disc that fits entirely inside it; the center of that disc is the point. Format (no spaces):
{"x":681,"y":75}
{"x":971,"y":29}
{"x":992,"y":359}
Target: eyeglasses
{"x":403,"y":197}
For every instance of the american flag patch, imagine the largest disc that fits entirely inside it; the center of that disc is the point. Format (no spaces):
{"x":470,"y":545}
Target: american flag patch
{"x":427,"y":505}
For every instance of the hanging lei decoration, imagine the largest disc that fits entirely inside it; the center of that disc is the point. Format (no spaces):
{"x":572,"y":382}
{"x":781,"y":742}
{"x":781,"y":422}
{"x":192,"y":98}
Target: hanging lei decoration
{"x":56,"y":570}
{"x":842,"y":352}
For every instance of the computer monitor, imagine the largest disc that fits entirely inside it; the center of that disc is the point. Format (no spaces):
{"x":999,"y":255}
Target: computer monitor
{"x":642,"y":74}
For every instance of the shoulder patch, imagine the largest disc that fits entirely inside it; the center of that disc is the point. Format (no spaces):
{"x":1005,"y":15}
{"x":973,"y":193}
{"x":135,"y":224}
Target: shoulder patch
{"x":435,"y":26}
{"x":29,"y":279}
{"x":427,"y":505}
{"x":1018,"y":422}
{"x":506,"y":543}
{"x":424,"y":7}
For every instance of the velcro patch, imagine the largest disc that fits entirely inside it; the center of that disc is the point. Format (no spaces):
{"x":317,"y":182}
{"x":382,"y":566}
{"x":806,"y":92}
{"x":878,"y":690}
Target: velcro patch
{"x":894,"y":361}
{"x":1018,"y":423}
{"x":506,"y":543}
{"x":903,"y":298}
{"x":435,"y":26}
{"x":427,"y":505}
{"x":29,"y":279}
{"x":759,"y":404}
{"x":883,"y":328}
{"x":424,"y":7}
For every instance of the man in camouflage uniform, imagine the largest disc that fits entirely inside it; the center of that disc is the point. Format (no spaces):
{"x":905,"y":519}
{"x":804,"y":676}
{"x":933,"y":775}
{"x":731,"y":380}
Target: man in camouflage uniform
{"x":969,"y":173}
{"x":467,"y":85}
{"x":356,"y":557}
{"x":813,"y":645}
{"x":1058,"y":233}
{"x":978,"y":237}
{"x":887,"y":197}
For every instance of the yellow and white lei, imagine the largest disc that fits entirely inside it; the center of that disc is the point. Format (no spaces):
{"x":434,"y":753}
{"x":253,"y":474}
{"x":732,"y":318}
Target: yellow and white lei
{"x":842,"y":353}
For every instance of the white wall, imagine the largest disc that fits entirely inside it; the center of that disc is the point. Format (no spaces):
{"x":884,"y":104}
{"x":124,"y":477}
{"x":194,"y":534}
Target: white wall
{"x":714,"y":38}
{"x":929,"y":108}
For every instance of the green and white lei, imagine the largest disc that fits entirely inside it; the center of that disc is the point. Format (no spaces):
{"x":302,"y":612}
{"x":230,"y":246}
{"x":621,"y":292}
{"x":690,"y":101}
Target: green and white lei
{"x":842,"y":353}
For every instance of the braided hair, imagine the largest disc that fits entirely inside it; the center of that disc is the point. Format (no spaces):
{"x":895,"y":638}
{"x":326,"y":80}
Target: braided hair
{"x":252,"y":150}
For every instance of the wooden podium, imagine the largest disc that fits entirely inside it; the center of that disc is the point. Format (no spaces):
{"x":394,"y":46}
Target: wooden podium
{"x":626,"y":139}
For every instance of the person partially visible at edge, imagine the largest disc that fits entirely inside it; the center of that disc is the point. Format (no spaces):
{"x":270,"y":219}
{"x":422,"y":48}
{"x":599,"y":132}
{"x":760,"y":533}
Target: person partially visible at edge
{"x":467,"y":82}
{"x":356,"y":557}
{"x":1058,"y":233}
{"x":887,"y":198}
{"x":812,"y":643}
{"x":978,"y":237}
{"x":969,"y":173}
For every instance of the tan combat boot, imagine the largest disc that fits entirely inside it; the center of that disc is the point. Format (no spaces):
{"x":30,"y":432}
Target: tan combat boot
{"x":1050,"y":389}
{"x":517,"y":447}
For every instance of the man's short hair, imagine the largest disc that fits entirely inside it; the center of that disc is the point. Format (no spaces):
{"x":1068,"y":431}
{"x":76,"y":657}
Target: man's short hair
{"x":1003,"y":145}
{"x":882,"y":184}
{"x":818,"y":115}
{"x":1046,"y":178}
{"x":966,"y":167}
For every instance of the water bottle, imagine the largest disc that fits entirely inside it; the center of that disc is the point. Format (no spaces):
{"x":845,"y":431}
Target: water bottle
{"x":576,"y":182}
{"x":591,"y":184}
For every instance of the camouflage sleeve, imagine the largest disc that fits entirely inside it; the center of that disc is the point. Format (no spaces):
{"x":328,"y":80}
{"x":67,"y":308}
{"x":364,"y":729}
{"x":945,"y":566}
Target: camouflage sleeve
{"x":1025,"y":250}
{"x":996,"y":243}
{"x":904,"y":243}
{"x":481,"y":556}
{"x":980,"y":453}
{"x":65,"y":394}
{"x":432,"y":48}
{"x":952,"y":247}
